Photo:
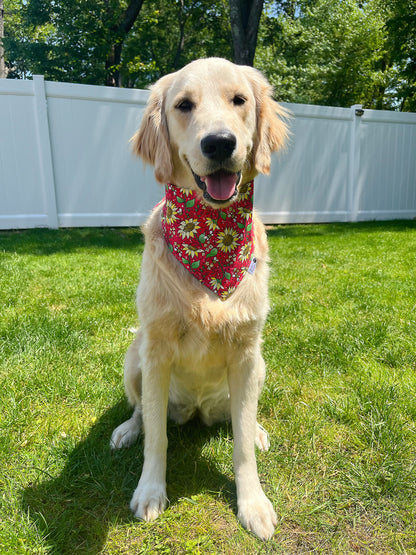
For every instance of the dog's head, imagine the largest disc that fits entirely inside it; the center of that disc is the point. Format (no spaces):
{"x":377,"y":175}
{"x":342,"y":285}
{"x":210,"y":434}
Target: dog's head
{"x":211,"y":126}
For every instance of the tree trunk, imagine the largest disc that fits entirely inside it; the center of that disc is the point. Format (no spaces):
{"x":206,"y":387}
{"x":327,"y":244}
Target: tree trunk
{"x":245,"y":20}
{"x":120,"y":32}
{"x":3,"y":70}
{"x":112,"y":65}
{"x":181,"y":43}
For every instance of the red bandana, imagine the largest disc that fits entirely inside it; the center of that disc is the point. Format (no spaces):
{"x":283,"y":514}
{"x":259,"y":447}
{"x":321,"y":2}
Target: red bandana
{"x":215,"y":245}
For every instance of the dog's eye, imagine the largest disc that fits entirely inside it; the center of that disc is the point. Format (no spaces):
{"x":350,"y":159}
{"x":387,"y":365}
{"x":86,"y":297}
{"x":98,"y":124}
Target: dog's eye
{"x":239,"y":100}
{"x":185,"y":105}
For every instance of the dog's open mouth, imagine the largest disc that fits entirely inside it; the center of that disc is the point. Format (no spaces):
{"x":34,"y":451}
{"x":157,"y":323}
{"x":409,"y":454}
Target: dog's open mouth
{"x":220,"y":186}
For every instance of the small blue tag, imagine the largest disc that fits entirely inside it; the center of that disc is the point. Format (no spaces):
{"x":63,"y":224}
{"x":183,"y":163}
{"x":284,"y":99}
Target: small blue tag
{"x":252,"y":266}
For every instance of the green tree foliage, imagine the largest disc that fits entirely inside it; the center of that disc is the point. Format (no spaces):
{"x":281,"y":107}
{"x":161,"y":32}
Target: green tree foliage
{"x":401,"y":29}
{"x":323,"y":51}
{"x":13,"y":35}
{"x":71,"y":40}
{"x":168,"y":35}
{"x":86,"y":41}
{"x":331,"y":52}
{"x":340,"y":52}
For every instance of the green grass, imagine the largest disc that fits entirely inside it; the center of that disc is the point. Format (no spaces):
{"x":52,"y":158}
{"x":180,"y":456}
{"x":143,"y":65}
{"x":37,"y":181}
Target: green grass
{"x":339,"y":401}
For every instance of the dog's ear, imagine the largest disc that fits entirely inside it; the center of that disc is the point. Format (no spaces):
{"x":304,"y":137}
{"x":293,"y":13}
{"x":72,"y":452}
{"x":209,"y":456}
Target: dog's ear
{"x":151,"y":142}
{"x":272,"y":130}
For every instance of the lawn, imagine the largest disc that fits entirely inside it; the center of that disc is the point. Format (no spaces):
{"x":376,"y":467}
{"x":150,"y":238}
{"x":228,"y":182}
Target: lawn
{"x":339,"y":400}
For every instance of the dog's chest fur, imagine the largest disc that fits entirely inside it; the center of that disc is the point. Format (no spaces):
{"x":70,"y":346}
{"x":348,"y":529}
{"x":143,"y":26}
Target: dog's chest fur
{"x":199,"y":333}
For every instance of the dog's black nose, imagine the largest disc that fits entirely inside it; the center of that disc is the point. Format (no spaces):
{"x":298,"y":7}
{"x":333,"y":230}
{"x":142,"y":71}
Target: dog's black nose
{"x":218,"y":146}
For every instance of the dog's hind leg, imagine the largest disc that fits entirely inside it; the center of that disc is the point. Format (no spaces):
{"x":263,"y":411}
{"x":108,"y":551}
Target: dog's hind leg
{"x":127,"y":433}
{"x":262,"y":438}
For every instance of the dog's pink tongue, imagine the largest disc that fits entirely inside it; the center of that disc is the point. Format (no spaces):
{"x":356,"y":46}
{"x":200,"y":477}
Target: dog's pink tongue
{"x":221,"y":185}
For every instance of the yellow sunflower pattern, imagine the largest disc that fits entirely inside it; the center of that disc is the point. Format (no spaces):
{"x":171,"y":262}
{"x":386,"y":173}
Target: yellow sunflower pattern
{"x":215,"y":245}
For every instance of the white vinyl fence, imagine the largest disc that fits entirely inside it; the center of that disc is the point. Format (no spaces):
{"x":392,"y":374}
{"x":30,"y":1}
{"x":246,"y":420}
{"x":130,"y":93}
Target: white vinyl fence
{"x":65,"y":161}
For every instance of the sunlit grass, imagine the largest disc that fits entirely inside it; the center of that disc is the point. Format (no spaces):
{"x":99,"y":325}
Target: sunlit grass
{"x":339,"y":401}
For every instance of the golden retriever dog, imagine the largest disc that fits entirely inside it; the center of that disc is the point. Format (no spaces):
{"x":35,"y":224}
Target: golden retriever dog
{"x":208,"y":130}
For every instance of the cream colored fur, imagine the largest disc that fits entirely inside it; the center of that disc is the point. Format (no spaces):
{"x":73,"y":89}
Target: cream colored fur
{"x":195,"y":353}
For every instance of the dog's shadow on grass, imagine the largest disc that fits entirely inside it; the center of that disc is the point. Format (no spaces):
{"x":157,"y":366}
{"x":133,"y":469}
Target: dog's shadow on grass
{"x":74,"y":510}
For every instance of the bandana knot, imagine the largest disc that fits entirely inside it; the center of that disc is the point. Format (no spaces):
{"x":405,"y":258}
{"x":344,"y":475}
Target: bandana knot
{"x":214,"y":245}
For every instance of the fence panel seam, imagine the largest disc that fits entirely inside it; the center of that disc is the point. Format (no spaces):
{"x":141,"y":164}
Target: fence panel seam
{"x":45,"y":150}
{"x":354,"y":156}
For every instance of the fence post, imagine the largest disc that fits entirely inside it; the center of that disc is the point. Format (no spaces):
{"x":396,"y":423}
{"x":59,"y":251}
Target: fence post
{"x":354,"y":169}
{"x":45,"y":151}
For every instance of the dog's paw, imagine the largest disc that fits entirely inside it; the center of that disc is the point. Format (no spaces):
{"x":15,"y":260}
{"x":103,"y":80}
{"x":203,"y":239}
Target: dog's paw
{"x":149,"y":501}
{"x":125,"y":434}
{"x":257,"y":515}
{"x":262,"y":438}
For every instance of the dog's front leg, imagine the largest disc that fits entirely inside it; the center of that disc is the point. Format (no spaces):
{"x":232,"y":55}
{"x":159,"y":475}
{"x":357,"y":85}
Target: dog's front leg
{"x":255,"y":511}
{"x":149,"y":499}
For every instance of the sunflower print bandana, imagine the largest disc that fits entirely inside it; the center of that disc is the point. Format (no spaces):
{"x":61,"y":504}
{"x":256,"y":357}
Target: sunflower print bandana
{"x":215,"y":245}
